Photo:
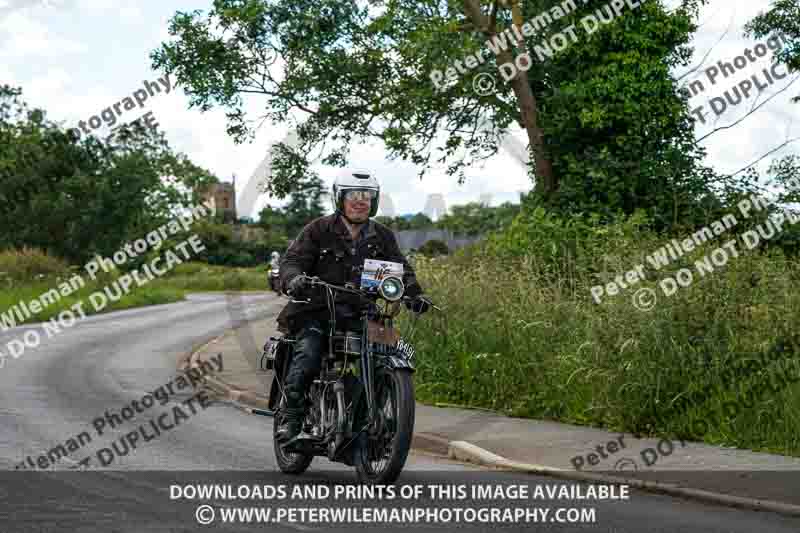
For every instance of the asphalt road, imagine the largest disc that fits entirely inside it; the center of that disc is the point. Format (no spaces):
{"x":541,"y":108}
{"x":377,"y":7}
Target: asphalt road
{"x":54,"y":393}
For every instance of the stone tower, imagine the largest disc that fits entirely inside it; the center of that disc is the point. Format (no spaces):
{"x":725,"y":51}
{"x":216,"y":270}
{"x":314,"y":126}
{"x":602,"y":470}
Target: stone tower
{"x":221,"y":199}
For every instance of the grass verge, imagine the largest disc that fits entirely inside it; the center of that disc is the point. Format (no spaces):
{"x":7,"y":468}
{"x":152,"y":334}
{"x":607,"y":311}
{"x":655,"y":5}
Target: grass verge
{"x":183,"y":279}
{"x":717,"y":361}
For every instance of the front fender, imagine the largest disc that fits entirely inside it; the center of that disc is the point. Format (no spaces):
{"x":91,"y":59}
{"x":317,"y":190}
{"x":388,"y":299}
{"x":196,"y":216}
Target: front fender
{"x":401,"y":357}
{"x":397,"y":362}
{"x":405,"y":356}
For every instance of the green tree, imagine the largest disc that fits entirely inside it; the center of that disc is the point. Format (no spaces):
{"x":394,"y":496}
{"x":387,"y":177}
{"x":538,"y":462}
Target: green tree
{"x":605,"y":121}
{"x":782,"y":17}
{"x":77,"y":199}
{"x":305,"y":204}
{"x":223,"y":248}
{"x":420,"y":221}
{"x":434,"y":247}
{"x":477,"y":219}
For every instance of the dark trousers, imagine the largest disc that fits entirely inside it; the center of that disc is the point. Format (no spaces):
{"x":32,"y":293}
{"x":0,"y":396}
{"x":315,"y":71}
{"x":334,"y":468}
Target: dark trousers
{"x":306,"y":362}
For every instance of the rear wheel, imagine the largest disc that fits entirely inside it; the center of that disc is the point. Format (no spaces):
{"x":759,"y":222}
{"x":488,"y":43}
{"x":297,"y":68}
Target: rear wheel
{"x":380,"y":457}
{"x":288,"y":462}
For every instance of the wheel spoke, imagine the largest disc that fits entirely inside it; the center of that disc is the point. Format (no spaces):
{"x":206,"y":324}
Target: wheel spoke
{"x":380,"y":448}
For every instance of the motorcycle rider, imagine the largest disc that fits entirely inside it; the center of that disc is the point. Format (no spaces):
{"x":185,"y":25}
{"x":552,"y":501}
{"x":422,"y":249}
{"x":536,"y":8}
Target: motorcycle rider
{"x":334,"y":248}
{"x":274,"y":266}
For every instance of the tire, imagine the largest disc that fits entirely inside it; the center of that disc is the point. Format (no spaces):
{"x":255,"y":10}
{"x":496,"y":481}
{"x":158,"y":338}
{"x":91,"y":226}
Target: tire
{"x":401,"y":390}
{"x":289,"y":463}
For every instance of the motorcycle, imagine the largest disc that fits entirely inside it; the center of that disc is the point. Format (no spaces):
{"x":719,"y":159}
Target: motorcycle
{"x":274,"y":279}
{"x":362,"y":403}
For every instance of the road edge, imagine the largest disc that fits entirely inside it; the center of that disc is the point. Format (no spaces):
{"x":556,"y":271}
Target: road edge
{"x":467,"y":452}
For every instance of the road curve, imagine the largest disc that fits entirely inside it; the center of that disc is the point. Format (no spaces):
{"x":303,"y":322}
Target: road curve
{"x":53,"y":393}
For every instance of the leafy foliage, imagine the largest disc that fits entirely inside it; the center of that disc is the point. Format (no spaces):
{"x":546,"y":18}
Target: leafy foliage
{"x":305,"y":204}
{"x":402,"y":223}
{"x":75,"y":200}
{"x":29,"y":264}
{"x":617,"y":130}
{"x":783,"y":17}
{"x":433,"y":248}
{"x":224,"y":247}
{"x":478,"y":219}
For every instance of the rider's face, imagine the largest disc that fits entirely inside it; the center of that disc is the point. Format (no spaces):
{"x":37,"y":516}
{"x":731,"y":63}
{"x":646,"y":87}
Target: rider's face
{"x":357,"y":210}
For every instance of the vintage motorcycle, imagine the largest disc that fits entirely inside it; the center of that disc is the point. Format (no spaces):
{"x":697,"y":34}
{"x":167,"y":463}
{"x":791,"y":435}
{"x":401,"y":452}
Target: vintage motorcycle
{"x":362,"y":404}
{"x":274,"y":279}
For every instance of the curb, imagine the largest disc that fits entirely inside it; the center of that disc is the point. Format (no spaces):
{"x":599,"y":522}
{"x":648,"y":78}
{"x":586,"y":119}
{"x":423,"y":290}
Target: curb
{"x":430,"y":443}
{"x":240,"y":398}
{"x":464,"y":451}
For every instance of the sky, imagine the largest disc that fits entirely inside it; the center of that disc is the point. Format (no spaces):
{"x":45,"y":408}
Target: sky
{"x":75,"y":58}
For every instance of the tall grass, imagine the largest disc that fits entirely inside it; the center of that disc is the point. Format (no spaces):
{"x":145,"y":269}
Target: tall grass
{"x":29,"y":264}
{"x":523,"y":336}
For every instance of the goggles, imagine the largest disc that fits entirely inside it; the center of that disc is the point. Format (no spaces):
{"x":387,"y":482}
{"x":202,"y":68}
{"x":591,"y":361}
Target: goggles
{"x":360,"y":195}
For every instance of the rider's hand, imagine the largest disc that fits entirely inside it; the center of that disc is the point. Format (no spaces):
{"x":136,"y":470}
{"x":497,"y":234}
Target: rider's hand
{"x":295,"y":285}
{"x":419,"y":305}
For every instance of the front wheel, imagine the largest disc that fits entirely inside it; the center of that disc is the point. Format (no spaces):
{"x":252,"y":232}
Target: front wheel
{"x":380,"y":455}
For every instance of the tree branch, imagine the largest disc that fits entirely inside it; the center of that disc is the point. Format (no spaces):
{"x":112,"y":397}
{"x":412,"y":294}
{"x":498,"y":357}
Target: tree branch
{"x":786,"y":142}
{"x":703,"y":61}
{"x":748,"y":113}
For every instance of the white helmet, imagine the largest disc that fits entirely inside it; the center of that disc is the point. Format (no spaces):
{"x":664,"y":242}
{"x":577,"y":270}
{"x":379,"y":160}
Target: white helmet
{"x":355,"y":179}
{"x":275,"y":255}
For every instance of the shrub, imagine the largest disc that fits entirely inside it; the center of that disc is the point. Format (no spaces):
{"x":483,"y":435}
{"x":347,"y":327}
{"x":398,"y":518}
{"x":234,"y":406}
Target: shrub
{"x":434,"y":247}
{"x":30,"y":263}
{"x":523,"y":335}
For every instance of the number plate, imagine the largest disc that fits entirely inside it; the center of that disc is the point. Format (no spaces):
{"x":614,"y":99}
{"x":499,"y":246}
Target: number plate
{"x":380,"y":334}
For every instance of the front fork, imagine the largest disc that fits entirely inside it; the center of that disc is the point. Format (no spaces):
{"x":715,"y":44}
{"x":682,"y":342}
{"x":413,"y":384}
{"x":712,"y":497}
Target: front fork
{"x":368,"y":366}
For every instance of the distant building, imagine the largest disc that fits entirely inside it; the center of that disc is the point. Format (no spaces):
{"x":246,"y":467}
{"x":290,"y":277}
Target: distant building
{"x":221,"y":199}
{"x":435,"y":206}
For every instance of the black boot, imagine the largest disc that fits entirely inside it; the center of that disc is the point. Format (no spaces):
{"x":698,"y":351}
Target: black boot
{"x":292,"y":424}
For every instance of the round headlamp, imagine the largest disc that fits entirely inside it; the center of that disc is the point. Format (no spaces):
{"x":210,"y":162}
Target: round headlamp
{"x":391,"y":288}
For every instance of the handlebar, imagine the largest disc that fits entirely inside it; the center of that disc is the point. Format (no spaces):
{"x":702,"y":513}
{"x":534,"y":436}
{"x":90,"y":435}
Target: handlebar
{"x":316,"y":281}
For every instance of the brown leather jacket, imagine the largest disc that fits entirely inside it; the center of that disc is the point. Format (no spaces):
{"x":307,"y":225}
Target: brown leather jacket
{"x":326,"y":249}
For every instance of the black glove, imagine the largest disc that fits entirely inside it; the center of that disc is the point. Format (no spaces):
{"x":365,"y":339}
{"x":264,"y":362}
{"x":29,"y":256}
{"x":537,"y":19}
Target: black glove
{"x":419,"y":305}
{"x":295,"y":285}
